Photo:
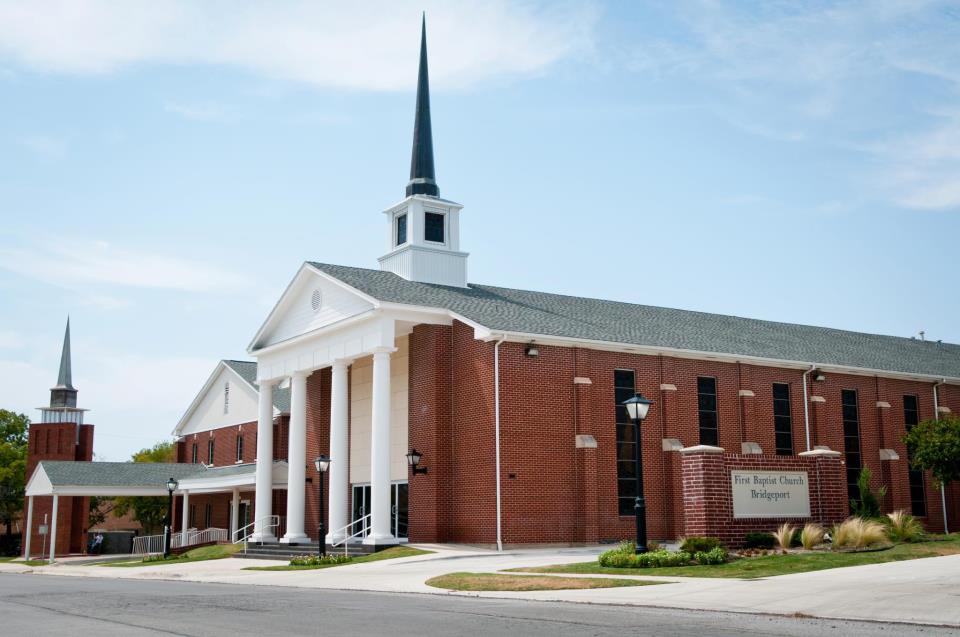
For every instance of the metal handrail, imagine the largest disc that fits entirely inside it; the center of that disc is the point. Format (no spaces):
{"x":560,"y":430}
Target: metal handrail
{"x":153,"y":544}
{"x":273,"y":522}
{"x":364,"y":529}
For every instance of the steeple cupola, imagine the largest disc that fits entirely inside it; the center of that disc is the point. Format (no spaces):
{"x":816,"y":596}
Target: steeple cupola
{"x":63,"y":397}
{"x":423,"y":229}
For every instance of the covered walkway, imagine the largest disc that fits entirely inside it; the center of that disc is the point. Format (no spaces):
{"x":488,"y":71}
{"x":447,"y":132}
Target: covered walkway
{"x":116,"y":479}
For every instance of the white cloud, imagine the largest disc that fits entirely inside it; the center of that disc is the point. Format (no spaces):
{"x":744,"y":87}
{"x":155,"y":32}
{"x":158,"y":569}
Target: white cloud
{"x":370,"y":46}
{"x":75,"y":262}
{"x":11,"y":340}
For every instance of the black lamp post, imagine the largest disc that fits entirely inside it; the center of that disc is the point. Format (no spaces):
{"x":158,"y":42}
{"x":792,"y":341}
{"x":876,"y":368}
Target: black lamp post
{"x":168,"y":529}
{"x":637,"y":408}
{"x":322,"y":463}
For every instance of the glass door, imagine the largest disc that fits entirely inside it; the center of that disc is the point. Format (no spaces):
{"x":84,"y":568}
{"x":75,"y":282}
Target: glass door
{"x":361,"y":504}
{"x":399,"y":506}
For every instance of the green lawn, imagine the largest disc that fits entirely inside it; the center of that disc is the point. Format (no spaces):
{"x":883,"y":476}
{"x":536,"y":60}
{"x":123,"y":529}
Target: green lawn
{"x":770,"y":565}
{"x":8,"y":558}
{"x":500,"y":582}
{"x":213,"y":552}
{"x":34,"y":562}
{"x":388,"y":554}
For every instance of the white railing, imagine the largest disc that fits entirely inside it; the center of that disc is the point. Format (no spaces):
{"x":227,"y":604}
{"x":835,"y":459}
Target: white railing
{"x":194,"y":537}
{"x":147,"y":545}
{"x":153,"y":544}
{"x":270,"y":523}
{"x":364,"y":525}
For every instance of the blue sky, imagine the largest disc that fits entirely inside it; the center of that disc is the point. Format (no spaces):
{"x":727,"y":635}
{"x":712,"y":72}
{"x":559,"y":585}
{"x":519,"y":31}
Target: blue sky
{"x":166,"y":167}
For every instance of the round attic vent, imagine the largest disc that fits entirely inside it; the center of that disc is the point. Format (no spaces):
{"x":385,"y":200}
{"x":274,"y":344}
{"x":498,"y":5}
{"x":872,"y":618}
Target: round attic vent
{"x":316,"y":300}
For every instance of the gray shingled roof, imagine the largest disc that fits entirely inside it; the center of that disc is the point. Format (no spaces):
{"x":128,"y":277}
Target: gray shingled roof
{"x":248,"y":371}
{"x":594,"y":319}
{"x":65,"y":473}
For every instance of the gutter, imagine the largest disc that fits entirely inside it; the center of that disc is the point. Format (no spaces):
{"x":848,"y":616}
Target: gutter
{"x":806,"y":405}
{"x":496,"y":418}
{"x":943,"y":490}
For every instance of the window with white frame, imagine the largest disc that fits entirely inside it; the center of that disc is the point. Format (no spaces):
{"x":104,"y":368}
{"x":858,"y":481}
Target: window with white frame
{"x":226,"y":397}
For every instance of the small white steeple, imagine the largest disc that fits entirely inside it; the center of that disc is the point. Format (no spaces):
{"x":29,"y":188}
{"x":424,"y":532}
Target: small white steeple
{"x":424,"y":230}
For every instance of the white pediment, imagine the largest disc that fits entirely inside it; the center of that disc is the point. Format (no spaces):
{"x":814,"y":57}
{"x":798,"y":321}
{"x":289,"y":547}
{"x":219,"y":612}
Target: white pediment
{"x":311,"y":301}
{"x":216,"y":406}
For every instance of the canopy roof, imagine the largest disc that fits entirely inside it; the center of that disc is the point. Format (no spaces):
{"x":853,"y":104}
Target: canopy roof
{"x":69,"y":478}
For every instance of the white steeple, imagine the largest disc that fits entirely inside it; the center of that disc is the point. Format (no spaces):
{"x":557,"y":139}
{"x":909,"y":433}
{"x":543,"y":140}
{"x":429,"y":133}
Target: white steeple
{"x":424,"y":230}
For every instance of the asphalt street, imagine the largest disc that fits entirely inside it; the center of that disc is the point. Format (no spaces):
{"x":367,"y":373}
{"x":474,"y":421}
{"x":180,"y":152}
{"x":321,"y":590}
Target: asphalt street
{"x":49,"y":605}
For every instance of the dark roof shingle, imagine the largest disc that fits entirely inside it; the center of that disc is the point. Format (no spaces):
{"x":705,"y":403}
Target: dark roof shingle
{"x":505,"y":309}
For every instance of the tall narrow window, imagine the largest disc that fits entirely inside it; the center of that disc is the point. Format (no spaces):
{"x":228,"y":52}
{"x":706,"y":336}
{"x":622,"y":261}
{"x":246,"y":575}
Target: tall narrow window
{"x":401,"y":229}
{"x":851,"y":442}
{"x":193,"y":516}
{"x":624,"y":387}
{"x":918,"y":496}
{"x":707,"y":406}
{"x":226,"y":397}
{"x":208,"y":516}
{"x":239,"y":447}
{"x":193,"y":456}
{"x":433,"y":227}
{"x":210,"y":451}
{"x":782,"y":425}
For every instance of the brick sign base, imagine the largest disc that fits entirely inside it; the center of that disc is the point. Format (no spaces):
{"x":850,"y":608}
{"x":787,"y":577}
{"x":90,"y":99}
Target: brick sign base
{"x":708,"y":498}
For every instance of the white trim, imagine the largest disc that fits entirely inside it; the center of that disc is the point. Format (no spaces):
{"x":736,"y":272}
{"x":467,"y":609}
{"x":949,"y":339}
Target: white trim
{"x":207,"y":386}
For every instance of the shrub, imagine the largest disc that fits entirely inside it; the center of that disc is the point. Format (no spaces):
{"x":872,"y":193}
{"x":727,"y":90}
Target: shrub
{"x":868,"y":506}
{"x":759,"y":541}
{"x":316,"y":560}
{"x":616,"y":558}
{"x":716,"y":555}
{"x":858,"y":533}
{"x":811,"y":535}
{"x":784,"y":536}
{"x":903,"y":527}
{"x":699,"y":544}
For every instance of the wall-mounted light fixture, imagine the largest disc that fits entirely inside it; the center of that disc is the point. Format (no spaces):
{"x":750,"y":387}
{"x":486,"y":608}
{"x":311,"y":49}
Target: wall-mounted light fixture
{"x":531,"y":350}
{"x":818,"y":376}
{"x":413,"y":459}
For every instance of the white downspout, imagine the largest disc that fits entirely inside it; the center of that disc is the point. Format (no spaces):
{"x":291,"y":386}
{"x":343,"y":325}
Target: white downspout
{"x":496,"y":418}
{"x":943,"y":491}
{"x":806,"y":405}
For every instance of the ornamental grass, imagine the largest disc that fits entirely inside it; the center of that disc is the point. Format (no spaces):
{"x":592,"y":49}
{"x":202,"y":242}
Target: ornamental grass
{"x":784,"y":536}
{"x":903,"y":527}
{"x":812,"y":536}
{"x":858,"y":533}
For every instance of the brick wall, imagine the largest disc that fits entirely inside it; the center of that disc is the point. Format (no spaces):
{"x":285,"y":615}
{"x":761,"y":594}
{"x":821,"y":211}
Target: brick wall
{"x":59,"y":441}
{"x":708,"y":498}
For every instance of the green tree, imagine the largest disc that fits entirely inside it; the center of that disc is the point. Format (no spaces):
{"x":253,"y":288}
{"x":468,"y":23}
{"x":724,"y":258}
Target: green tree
{"x":148,"y":511}
{"x":13,"y":467}
{"x":934,"y":446}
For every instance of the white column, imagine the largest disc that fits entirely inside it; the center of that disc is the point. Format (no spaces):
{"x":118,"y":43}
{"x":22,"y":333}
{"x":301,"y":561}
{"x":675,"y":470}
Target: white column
{"x":339,"y":453}
{"x":53,"y":528}
{"x":234,"y":513}
{"x":264,"y":475}
{"x":26,"y":549}
{"x":184,"y":517}
{"x":297,"y":460}
{"x":380,"y":452}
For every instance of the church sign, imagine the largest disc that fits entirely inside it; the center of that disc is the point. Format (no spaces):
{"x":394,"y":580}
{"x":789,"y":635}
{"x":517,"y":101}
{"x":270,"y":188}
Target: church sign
{"x":770,"y":494}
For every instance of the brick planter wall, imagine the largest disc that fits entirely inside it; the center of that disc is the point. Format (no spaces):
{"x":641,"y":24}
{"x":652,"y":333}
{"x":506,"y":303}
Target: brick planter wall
{"x":708,"y":497}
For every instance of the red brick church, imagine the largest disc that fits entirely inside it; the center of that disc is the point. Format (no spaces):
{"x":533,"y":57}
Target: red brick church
{"x":512,"y":402}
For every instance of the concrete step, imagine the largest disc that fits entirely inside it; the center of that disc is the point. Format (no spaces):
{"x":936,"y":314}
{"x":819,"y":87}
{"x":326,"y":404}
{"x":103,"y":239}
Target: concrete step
{"x":287,"y":551}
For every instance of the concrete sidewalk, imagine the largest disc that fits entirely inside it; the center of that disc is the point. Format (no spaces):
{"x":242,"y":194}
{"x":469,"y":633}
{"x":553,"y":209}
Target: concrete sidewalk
{"x":925,"y":591}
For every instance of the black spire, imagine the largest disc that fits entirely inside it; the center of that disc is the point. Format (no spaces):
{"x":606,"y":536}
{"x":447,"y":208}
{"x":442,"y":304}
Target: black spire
{"x":64,"y":394}
{"x":422,"y":176}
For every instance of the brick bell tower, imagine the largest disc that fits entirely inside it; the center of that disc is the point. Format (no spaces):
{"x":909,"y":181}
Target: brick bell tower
{"x":61,"y":435}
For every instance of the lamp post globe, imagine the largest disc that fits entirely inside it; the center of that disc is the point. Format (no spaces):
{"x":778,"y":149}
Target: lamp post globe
{"x":637,"y":407}
{"x":172,"y":485}
{"x":322,"y":464}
